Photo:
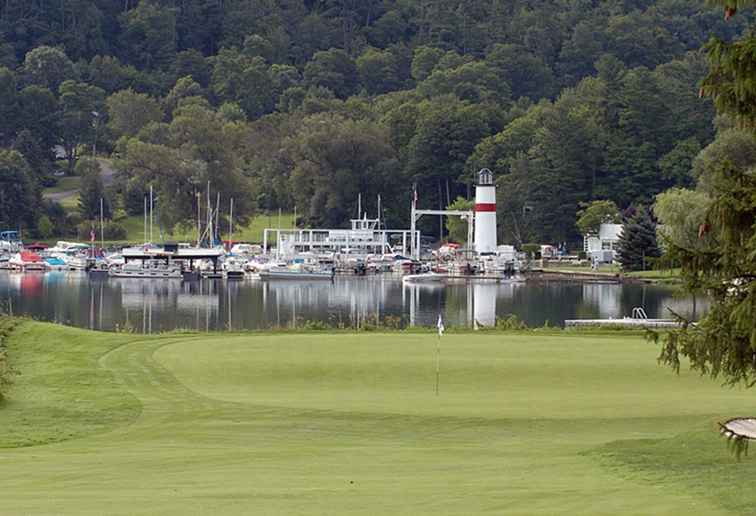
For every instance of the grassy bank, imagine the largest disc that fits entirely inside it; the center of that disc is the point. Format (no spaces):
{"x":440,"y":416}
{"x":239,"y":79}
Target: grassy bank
{"x":134,"y":226}
{"x":350,"y":424}
{"x":656,"y":276}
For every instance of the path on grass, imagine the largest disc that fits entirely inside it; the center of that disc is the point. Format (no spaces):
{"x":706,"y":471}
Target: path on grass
{"x":107,"y":172}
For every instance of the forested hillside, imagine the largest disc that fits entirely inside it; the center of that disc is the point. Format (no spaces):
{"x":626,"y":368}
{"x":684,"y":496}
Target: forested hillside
{"x":306,"y":104}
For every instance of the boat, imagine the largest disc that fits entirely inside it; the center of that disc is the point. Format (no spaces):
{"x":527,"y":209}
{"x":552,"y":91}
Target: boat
{"x":27,"y":261}
{"x":234,"y":267}
{"x":296,"y":273}
{"x":426,"y":277}
{"x":55,"y":263}
{"x":155,"y":269}
{"x":99,"y":269}
{"x":10,"y":242}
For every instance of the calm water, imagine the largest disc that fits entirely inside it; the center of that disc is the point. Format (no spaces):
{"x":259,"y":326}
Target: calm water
{"x":159,"y":305}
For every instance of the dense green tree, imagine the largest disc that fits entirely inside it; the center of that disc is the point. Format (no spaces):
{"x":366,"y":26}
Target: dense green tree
{"x":92,"y":190}
{"x":18,"y":201}
{"x":244,"y":80}
{"x":595,"y":213}
{"x":184,"y":87}
{"x":681,"y":213}
{"x":527,"y":74}
{"x":332,"y":69}
{"x":676,"y":165}
{"x":129,"y":111}
{"x":378,"y":71}
{"x":8,"y":105}
{"x":457,"y":227}
{"x":637,"y":247}
{"x":81,"y":107}
{"x":425,"y":61}
{"x":446,"y":133}
{"x":47,"y":67}
{"x":38,"y":113}
{"x":333,"y":161}
{"x":148,"y":35}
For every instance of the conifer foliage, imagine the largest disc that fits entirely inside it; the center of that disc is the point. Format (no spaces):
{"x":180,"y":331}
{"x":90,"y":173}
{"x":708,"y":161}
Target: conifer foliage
{"x":637,"y":245}
{"x":723,"y":343}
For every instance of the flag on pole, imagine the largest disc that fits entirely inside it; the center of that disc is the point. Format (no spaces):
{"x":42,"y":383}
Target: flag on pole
{"x":440,"y":325}
{"x":92,"y":235}
{"x":414,"y":195}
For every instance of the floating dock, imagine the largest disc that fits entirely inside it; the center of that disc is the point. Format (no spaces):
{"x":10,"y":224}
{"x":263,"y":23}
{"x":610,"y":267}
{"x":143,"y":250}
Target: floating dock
{"x":622,"y":323}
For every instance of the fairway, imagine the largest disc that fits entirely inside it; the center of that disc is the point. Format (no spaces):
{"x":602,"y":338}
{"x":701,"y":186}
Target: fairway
{"x":350,"y":424}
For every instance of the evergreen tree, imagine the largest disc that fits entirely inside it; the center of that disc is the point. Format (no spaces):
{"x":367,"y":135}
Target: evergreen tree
{"x":723,"y":343}
{"x":637,"y":244}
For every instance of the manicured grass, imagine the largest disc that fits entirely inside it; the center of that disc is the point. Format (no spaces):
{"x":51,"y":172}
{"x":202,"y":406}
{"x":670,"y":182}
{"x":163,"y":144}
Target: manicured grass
{"x":350,"y":424}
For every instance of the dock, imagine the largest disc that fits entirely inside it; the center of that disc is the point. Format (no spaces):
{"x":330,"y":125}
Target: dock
{"x":626,"y":322}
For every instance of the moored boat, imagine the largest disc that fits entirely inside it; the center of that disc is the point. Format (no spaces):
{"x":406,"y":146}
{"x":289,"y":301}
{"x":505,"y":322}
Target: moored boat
{"x":296,"y":273}
{"x":27,"y":261}
{"x":426,"y":277}
{"x":154,"y":269}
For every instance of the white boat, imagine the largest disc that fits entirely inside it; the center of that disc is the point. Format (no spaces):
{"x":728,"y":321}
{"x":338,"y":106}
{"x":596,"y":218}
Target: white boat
{"x":426,"y":277}
{"x":296,"y":273}
{"x":234,"y":267}
{"x":155,"y":269}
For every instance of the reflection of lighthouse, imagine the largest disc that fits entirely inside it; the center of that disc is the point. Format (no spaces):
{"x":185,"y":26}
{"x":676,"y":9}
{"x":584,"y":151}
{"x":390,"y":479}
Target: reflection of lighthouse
{"x":484,"y":301}
{"x":485,"y":213}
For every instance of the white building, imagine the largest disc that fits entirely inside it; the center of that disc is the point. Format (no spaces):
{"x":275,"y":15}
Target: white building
{"x":365,"y":237}
{"x":603,"y":247}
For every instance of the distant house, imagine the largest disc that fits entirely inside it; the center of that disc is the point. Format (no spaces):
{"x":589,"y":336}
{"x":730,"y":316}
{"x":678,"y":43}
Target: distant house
{"x":602,"y":247}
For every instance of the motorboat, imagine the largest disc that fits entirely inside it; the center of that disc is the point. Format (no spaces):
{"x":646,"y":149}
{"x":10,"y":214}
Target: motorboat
{"x":296,"y":273}
{"x":426,"y":277}
{"x":54,"y":263}
{"x":155,"y":269}
{"x":234,"y":267}
{"x":27,"y":261}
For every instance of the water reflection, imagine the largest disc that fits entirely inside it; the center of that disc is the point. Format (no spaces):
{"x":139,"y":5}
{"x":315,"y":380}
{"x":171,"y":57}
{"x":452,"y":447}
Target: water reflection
{"x":150,"y":306}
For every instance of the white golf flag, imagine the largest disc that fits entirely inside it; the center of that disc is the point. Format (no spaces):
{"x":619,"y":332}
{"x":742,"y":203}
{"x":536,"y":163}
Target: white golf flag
{"x":440,"y":325}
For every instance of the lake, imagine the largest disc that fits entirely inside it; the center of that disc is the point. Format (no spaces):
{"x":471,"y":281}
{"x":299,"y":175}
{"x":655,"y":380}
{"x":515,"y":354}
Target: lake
{"x":151,"y":306}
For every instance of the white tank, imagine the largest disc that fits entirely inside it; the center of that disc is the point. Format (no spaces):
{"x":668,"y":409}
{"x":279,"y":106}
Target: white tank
{"x":485,"y":213}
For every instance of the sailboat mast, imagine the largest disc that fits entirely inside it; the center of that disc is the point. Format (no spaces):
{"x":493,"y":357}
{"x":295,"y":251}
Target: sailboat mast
{"x":151,"y":206}
{"x":102,"y":225}
{"x":231,"y":223}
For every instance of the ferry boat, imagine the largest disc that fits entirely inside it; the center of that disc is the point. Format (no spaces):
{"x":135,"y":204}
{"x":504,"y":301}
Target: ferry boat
{"x":154,"y":269}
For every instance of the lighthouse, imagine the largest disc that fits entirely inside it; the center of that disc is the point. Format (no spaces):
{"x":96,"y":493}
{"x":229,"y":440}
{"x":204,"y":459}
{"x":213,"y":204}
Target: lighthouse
{"x":485,"y":213}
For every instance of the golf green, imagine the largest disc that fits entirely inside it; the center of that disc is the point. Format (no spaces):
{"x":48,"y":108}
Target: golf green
{"x":351,"y":424}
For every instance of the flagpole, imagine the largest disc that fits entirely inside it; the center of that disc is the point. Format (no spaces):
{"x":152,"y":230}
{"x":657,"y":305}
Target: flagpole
{"x":438,"y":361}
{"x":440,"y":327}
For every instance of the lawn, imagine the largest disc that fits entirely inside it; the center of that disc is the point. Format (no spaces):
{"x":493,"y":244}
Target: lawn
{"x":350,"y":424}
{"x":251,"y":232}
{"x":65,"y":184}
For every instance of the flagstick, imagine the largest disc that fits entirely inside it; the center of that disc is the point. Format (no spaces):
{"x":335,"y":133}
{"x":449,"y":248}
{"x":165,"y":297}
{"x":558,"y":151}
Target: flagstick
{"x":438,"y":361}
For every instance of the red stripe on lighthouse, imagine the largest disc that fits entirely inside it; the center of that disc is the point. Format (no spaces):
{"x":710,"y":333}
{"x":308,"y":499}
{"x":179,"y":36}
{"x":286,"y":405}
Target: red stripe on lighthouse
{"x":485,"y":206}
